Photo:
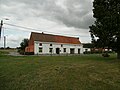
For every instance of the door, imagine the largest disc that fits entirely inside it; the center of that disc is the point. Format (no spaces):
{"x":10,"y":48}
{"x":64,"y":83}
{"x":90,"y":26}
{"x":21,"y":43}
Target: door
{"x":78,"y":51}
{"x":72,"y":51}
{"x":57,"y":51}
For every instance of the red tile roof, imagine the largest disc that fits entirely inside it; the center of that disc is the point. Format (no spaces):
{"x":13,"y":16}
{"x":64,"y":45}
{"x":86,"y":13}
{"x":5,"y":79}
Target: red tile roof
{"x":54,"y":38}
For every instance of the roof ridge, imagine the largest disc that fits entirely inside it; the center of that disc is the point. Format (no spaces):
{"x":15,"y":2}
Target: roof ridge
{"x":55,"y":35}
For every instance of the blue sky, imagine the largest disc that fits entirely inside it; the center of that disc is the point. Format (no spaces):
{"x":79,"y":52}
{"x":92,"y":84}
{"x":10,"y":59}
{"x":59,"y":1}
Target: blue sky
{"x":63,"y":17}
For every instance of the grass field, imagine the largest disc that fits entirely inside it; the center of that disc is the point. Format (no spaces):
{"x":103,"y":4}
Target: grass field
{"x":85,"y":72}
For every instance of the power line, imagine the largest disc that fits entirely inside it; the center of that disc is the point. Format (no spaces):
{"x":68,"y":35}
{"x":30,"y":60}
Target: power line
{"x":19,"y":29}
{"x":38,"y":30}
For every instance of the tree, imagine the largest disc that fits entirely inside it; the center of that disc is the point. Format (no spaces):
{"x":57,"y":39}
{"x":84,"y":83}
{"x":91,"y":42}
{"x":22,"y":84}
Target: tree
{"x":105,"y":31}
{"x":88,"y":45}
{"x":23,"y":45}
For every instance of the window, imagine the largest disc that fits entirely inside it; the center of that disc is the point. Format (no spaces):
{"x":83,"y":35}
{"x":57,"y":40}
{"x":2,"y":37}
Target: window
{"x":50,"y":44}
{"x":50,"y":50}
{"x":40,"y":50}
{"x":61,"y":45}
{"x":86,"y":50}
{"x":64,"y":49}
{"x":40,"y":44}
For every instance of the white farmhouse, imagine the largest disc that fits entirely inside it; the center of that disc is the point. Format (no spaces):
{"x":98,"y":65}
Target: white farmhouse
{"x":41,"y":43}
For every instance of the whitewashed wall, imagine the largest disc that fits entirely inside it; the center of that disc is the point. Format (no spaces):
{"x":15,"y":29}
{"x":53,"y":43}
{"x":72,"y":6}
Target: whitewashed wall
{"x":46,"y":45}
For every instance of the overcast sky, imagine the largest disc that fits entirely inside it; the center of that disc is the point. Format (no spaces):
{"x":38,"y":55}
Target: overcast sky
{"x":63,"y":17}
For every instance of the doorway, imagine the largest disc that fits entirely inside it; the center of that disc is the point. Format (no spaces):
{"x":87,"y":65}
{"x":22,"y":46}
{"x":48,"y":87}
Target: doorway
{"x":78,"y":51}
{"x":72,"y":51}
{"x":57,"y":50}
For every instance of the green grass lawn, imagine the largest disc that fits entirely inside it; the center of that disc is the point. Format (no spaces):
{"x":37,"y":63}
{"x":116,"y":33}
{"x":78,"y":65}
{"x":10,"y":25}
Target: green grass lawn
{"x":85,"y":72}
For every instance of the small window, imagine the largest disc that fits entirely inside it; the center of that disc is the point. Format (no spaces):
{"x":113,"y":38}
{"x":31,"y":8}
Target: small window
{"x":40,"y":49}
{"x":50,"y":50}
{"x":64,"y":49}
{"x":50,"y":44}
{"x":86,"y":50}
{"x":40,"y":44}
{"x":61,"y":45}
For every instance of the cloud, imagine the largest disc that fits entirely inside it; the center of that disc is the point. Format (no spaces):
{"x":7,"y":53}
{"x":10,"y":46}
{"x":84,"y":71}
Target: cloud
{"x":58,"y":16}
{"x":72,"y":13}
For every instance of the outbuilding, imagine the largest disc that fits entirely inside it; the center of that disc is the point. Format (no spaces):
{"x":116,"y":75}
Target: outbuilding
{"x":41,"y":43}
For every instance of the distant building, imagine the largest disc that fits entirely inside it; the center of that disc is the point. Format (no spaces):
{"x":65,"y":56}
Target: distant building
{"x":90,"y":48}
{"x":41,"y":43}
{"x":87,"y":47}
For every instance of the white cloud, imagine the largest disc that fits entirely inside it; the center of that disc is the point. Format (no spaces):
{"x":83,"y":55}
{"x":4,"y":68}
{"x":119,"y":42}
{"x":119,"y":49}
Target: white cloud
{"x":65,"y":17}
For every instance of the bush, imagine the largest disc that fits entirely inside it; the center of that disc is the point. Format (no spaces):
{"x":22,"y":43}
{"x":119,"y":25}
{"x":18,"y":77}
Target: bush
{"x":92,"y":52}
{"x":29,"y":53}
{"x":87,"y":52}
{"x":96,"y":52}
{"x":21,"y":51}
{"x":105,"y":55}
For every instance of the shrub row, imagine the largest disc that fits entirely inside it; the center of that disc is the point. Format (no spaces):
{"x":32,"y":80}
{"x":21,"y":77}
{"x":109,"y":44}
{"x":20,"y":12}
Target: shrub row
{"x":96,"y":52}
{"x":29,"y":53}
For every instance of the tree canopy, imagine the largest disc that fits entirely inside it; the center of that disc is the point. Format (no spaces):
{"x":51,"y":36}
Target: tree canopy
{"x":23,"y":45}
{"x":105,"y":31}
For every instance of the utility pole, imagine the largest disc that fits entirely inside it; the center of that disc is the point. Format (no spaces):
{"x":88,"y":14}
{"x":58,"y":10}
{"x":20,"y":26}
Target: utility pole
{"x":4,"y":42}
{"x":4,"y":37}
{"x":1,"y":27}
